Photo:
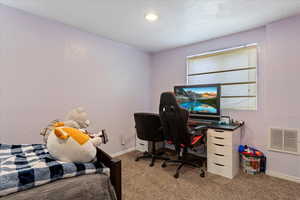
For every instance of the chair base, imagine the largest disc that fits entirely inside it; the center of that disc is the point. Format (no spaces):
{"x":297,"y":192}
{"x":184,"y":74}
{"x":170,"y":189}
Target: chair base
{"x":152,"y":156}
{"x":183,"y":162}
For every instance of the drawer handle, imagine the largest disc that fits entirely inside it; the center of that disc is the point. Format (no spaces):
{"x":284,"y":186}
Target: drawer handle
{"x":220,"y":131}
{"x":219,"y":154}
{"x":221,"y":145}
{"x":219,"y":164}
{"x":219,"y":138}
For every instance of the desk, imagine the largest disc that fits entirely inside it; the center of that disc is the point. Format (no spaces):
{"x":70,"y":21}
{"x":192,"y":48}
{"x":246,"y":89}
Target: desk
{"x":222,"y":148}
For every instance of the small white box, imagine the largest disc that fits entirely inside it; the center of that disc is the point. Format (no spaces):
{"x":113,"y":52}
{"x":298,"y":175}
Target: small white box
{"x":141,"y":145}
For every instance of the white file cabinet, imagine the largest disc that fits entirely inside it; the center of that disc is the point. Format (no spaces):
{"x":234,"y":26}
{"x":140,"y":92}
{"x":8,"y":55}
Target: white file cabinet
{"x":141,"y":145}
{"x":222,"y":152}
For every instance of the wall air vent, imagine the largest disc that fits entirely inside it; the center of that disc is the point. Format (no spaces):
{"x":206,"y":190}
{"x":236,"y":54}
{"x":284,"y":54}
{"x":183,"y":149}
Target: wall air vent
{"x":284,"y":140}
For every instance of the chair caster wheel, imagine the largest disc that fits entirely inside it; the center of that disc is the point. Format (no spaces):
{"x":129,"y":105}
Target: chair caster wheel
{"x":137,"y":159}
{"x":163,"y":165}
{"x":202,"y":174}
{"x":151,"y":165}
{"x":176,"y":175}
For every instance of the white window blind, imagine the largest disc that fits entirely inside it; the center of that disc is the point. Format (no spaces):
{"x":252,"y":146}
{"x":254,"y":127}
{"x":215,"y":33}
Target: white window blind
{"x":235,"y":69}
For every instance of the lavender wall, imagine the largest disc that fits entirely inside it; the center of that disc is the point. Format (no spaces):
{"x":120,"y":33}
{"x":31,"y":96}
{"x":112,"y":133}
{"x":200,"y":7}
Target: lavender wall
{"x":282,"y":97}
{"x":277,"y":79}
{"x":48,"y":68}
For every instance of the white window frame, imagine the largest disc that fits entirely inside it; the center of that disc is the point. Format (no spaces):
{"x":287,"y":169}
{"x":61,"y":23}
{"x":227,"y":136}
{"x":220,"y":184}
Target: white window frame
{"x":224,"y":50}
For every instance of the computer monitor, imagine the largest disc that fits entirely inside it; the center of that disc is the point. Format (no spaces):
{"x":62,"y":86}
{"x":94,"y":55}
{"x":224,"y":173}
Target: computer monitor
{"x":200,"y":100}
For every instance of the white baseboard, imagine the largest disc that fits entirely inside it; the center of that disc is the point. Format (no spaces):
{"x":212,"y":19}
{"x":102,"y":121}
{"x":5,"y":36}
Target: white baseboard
{"x":283,"y":176}
{"x":122,"y":152}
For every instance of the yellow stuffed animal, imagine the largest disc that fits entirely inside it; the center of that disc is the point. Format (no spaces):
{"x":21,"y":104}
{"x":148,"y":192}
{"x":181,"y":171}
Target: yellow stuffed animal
{"x":71,"y":145}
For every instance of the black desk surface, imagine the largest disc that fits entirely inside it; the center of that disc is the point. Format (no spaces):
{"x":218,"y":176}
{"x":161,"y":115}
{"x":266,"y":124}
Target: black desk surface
{"x":213,"y":125}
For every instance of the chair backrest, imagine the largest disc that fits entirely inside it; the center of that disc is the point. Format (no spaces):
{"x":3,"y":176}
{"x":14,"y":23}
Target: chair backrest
{"x":148,"y":126}
{"x":174,"y":120}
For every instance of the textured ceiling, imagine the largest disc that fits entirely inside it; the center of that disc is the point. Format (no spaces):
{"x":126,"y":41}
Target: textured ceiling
{"x":181,"y":22}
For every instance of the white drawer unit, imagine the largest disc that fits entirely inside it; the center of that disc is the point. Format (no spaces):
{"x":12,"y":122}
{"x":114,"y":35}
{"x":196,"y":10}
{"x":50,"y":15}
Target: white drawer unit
{"x":222,"y":152}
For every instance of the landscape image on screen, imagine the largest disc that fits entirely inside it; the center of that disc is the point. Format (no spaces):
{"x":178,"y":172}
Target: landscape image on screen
{"x":198,"y":99}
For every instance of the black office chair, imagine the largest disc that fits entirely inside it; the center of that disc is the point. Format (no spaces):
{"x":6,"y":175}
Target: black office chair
{"x":176,"y":131}
{"x":148,"y":127}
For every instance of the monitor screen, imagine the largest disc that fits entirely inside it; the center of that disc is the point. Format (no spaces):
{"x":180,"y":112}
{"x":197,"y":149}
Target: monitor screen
{"x":199,"y":99}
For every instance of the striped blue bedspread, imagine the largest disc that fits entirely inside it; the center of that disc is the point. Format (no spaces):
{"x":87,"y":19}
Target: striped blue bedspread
{"x":28,"y":165}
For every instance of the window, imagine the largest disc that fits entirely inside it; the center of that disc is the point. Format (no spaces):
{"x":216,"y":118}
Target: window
{"x":235,"y":69}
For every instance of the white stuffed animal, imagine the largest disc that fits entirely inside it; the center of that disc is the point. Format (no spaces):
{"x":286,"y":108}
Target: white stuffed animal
{"x":69,"y":140}
{"x":77,"y":118}
{"x":71,"y":145}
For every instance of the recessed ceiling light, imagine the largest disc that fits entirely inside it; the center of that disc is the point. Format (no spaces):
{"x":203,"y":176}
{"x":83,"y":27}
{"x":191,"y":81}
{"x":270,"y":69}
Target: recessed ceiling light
{"x":151,"y":17}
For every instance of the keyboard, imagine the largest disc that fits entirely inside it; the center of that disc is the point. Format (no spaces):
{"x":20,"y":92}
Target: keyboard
{"x":212,"y":124}
{"x":199,"y":122}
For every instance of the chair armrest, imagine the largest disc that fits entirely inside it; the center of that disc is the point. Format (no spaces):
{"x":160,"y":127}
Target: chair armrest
{"x":197,"y":130}
{"x":200,"y":127}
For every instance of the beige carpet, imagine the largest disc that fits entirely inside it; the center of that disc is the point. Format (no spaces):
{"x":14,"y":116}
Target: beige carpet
{"x":141,"y":182}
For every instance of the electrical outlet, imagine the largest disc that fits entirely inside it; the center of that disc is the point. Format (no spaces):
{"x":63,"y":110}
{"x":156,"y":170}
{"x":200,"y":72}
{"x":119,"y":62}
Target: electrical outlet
{"x":123,"y":140}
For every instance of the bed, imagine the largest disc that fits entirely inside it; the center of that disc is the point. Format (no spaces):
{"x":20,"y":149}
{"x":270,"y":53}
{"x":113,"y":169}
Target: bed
{"x":100,"y":180}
